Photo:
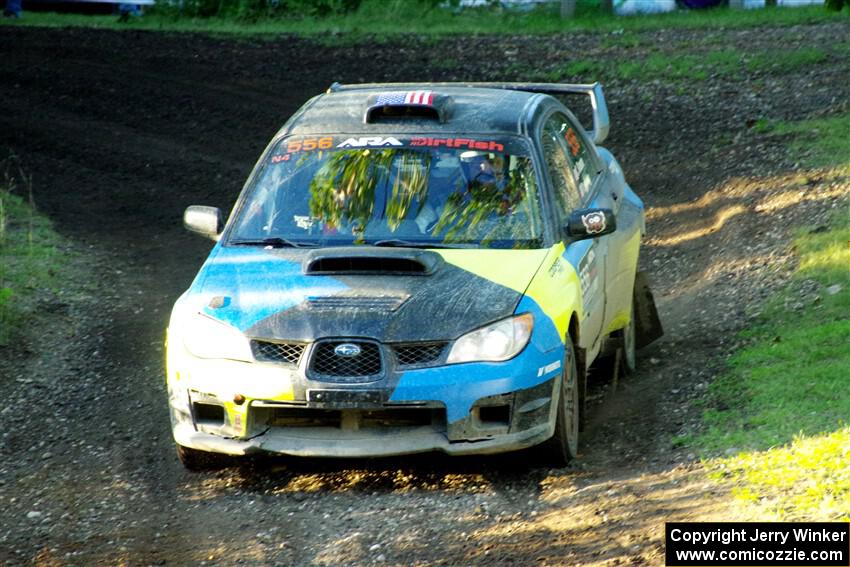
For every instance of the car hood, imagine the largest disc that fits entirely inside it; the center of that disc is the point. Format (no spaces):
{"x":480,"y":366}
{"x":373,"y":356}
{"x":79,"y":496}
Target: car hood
{"x":387,"y":294}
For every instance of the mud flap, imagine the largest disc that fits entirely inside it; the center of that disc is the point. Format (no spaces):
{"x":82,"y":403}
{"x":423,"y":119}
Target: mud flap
{"x":647,"y":324}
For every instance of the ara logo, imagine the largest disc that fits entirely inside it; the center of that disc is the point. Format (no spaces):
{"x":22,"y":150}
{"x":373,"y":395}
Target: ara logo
{"x":369,"y":141}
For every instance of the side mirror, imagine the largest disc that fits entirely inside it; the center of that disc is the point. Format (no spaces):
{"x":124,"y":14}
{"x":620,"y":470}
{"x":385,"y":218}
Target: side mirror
{"x":205,"y":221}
{"x":590,"y":223}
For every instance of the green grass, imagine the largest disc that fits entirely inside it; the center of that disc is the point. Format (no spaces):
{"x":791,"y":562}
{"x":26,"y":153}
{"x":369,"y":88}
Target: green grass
{"x":822,"y":142}
{"x":762,"y":126}
{"x":719,"y":63}
{"x":783,"y":406}
{"x":625,"y":41}
{"x":664,"y":67}
{"x":678,"y":67}
{"x":683,"y":68}
{"x":785,"y":401}
{"x":786,"y":61}
{"x":446,"y":63}
{"x":808,"y":479}
{"x":394,"y":17}
{"x":29,"y":263}
{"x":793,"y":379}
{"x":577,"y":68}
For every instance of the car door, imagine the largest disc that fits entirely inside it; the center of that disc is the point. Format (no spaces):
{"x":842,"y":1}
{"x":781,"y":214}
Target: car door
{"x":623,"y":247}
{"x":586,"y":256}
{"x":599,"y":188}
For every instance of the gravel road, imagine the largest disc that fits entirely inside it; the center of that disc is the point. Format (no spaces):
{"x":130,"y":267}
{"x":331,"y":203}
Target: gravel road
{"x":122,"y":130}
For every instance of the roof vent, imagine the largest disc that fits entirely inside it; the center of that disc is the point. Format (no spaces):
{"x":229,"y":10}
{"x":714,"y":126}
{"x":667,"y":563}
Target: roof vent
{"x":401,"y":105}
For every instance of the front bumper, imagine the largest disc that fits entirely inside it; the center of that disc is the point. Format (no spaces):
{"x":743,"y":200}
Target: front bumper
{"x":372,"y":443}
{"x":475,"y":408}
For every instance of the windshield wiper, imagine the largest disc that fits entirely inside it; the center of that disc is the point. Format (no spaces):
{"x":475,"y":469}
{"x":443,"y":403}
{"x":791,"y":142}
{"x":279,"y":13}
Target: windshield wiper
{"x":396,"y":242}
{"x":274,"y":242}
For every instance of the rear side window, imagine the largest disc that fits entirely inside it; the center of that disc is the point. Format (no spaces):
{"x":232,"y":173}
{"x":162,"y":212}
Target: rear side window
{"x":582,"y":164}
{"x":564,"y":186}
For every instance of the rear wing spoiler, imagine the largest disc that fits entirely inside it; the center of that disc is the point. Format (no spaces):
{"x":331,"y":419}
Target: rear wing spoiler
{"x":601,"y":122}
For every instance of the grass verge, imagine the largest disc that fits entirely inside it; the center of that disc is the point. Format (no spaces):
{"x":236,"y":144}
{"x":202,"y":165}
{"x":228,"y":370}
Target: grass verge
{"x":821,"y":143}
{"x":29,"y":262}
{"x":396,"y":17}
{"x":781,"y":412}
{"x":684,"y":68}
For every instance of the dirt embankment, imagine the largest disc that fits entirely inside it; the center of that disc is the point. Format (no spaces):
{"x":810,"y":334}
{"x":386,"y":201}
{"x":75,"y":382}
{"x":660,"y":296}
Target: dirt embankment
{"x":122,"y":130}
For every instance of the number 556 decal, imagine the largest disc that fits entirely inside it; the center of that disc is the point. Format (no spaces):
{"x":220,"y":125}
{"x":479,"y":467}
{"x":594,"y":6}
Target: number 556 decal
{"x":309,"y":144}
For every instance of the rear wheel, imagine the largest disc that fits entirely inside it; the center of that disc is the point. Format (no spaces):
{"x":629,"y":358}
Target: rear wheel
{"x":563,"y":446}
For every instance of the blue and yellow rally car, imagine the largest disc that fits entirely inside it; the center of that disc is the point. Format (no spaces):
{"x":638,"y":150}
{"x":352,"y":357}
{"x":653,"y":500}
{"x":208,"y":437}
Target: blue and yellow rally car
{"x":412,"y":268}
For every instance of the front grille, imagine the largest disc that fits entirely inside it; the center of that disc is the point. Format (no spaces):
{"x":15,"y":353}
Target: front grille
{"x":415,"y":354}
{"x":284,"y":353}
{"x":331,"y":366}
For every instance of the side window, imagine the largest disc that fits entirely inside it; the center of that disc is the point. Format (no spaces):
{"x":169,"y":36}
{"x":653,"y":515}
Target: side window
{"x":565,"y":189}
{"x":582,"y":164}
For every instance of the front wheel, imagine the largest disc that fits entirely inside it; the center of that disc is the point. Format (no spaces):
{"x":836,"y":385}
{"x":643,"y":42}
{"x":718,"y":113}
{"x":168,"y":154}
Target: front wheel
{"x":563,"y":446}
{"x":628,"y":358}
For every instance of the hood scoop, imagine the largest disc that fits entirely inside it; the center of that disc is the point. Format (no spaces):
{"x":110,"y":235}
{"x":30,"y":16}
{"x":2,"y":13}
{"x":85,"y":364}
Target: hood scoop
{"x":370,"y":261}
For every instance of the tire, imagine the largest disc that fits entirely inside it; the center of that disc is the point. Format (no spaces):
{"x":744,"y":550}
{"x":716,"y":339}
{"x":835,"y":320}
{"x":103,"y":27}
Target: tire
{"x":563,"y":446}
{"x":195,"y":460}
{"x":628,"y":356}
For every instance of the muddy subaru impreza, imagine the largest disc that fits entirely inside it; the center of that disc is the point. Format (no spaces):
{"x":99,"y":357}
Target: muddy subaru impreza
{"x":412,"y":268}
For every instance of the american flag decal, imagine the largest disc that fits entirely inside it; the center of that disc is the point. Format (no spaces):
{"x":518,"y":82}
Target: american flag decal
{"x":424,"y":98}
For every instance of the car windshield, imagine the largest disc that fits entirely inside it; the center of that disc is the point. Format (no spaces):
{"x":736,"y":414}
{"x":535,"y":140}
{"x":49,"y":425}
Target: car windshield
{"x":405,"y":191}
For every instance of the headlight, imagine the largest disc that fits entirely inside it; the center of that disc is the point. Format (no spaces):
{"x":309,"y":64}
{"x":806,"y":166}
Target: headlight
{"x":205,"y":337}
{"x":500,"y":341}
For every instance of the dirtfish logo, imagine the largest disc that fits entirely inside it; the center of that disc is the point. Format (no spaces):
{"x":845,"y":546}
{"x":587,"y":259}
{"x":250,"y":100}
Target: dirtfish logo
{"x":369,"y":142}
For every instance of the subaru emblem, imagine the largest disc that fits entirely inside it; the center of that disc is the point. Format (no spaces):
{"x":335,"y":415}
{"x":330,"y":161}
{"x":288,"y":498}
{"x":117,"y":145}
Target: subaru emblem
{"x":347,"y":350}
